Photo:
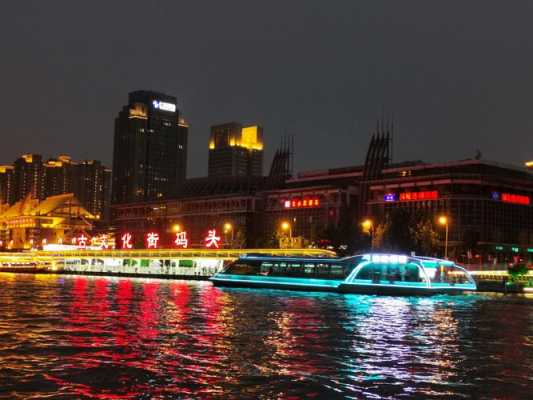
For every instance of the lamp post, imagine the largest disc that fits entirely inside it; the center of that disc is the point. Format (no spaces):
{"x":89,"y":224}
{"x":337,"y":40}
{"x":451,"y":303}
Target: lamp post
{"x":286,"y":226}
{"x":368,"y":226}
{"x":228,"y":227}
{"x":443,"y":220}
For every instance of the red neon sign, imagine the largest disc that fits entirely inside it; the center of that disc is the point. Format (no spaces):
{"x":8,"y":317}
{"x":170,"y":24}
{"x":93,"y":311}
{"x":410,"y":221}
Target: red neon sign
{"x":102,"y":242}
{"x":306,"y":202}
{"x":181,"y":240}
{"x":515,"y":199}
{"x":152,"y":240}
{"x":126,"y":241}
{"x":82,"y":241}
{"x":212,"y":239}
{"x":418,"y":196}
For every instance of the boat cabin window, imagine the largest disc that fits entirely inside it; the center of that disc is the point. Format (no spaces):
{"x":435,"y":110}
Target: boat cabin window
{"x":288,"y":268}
{"x":377,"y":272}
{"x":447,"y":274}
{"x":244,"y":267}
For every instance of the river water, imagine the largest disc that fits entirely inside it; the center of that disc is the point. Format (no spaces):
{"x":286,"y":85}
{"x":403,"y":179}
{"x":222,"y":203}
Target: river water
{"x":68,"y":337}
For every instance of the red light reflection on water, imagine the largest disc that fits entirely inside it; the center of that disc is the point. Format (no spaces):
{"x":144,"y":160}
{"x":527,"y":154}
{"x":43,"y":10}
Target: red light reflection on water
{"x":149,"y":307}
{"x":123,"y":295}
{"x":129,"y":326}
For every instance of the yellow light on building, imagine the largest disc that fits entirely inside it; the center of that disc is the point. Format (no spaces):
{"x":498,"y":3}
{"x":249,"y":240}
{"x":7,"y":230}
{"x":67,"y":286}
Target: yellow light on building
{"x":529,"y":164}
{"x":5,"y":168}
{"x":251,"y":138}
{"x":138,"y":111}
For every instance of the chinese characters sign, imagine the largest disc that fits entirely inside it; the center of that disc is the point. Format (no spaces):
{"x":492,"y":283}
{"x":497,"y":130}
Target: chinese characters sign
{"x":212,"y":240}
{"x":181,"y":240}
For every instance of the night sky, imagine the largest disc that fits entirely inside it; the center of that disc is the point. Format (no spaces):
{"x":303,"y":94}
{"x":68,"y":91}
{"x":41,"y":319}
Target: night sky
{"x":456,"y":75}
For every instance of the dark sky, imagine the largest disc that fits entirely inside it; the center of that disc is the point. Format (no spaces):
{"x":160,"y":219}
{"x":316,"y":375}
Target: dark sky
{"x":457,"y":75}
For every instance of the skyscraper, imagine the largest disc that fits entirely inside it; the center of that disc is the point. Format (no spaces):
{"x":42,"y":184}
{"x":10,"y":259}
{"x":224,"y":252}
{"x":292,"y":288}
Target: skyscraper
{"x":235,"y":150}
{"x":29,"y":177}
{"x":150,"y":148}
{"x":92,"y":187}
{"x":59,"y":175}
{"x":89,"y":180}
{"x":6,"y":184}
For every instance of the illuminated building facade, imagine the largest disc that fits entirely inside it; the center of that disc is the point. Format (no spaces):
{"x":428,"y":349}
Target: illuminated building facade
{"x":89,"y":180}
{"x":196,"y":212}
{"x":235,"y":150}
{"x":150,"y":148}
{"x":30,"y":222}
{"x":92,"y":187}
{"x":6,"y":184}
{"x":489,"y":206}
{"x":29,"y":177}
{"x":59,"y":176}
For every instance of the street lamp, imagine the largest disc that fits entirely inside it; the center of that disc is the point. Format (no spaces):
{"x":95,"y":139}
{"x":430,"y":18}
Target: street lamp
{"x":228,"y":227}
{"x":443,"y":220}
{"x":176,"y":228}
{"x":368,"y":226}
{"x":286,"y":226}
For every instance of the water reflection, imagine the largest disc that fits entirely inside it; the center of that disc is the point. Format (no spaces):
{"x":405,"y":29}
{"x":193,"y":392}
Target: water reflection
{"x":80,"y":337}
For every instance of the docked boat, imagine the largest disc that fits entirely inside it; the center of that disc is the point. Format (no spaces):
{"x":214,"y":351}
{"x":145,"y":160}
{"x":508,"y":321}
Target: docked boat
{"x":392,"y":274}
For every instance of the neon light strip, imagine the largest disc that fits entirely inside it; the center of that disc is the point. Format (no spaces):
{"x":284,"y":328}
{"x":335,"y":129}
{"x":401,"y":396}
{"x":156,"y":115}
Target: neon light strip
{"x":334,"y":285}
{"x":369,"y":283}
{"x":515,"y":199}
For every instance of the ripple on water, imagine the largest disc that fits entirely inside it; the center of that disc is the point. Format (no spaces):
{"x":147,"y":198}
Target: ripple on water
{"x":80,"y":337}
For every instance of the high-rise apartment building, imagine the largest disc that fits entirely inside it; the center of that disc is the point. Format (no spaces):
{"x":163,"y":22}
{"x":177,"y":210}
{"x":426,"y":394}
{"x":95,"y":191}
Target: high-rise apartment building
{"x":150,"y":148}
{"x":59,"y":176}
{"x":235,"y":150}
{"x":6,"y":184}
{"x":89,"y":181}
{"x":29,"y":177}
{"x":92,"y":187}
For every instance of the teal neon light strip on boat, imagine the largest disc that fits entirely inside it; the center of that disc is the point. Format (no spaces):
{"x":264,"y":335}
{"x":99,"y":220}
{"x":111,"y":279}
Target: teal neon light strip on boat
{"x":280,"y":281}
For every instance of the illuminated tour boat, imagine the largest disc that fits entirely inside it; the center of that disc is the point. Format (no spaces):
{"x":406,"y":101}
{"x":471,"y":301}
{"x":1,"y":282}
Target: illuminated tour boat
{"x":392,"y":274}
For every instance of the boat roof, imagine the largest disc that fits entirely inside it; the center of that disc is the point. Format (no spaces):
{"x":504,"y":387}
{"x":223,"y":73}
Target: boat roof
{"x":374,"y":257}
{"x":289,"y":258}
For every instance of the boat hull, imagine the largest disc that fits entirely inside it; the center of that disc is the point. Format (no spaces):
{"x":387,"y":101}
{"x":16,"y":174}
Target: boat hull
{"x":377,"y":289}
{"x":265,"y":284}
{"x":396,"y":290}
